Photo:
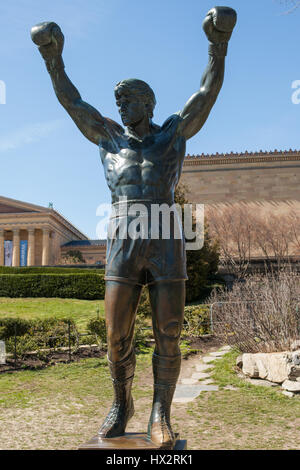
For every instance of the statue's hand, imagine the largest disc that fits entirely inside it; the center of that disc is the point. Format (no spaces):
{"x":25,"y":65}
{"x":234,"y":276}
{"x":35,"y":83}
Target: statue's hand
{"x":49,"y":38}
{"x":219,"y":23}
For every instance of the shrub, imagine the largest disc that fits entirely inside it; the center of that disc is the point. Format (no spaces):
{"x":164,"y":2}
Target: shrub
{"x":49,"y":270}
{"x":202,"y":265}
{"x":14,"y":326}
{"x":144,"y":308}
{"x":196,"y":321}
{"x":261,"y":314}
{"x":34,"y":335}
{"x":142,"y":332}
{"x":97,"y":327}
{"x":74,"y":286}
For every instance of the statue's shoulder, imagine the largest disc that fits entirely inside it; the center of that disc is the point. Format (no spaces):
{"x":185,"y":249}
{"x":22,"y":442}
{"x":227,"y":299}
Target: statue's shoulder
{"x":113,"y":127}
{"x":172,"y":123}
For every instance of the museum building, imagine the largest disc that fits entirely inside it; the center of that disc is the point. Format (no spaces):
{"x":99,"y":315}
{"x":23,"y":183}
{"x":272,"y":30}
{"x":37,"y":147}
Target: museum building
{"x":32,"y":235}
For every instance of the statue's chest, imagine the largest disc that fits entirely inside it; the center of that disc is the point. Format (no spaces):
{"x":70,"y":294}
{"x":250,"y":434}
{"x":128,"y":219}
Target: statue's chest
{"x":147,"y":162}
{"x":136,"y":156}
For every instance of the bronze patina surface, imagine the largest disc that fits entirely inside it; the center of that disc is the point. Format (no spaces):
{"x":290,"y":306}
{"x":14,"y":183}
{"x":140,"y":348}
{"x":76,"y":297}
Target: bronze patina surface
{"x":142,"y":163}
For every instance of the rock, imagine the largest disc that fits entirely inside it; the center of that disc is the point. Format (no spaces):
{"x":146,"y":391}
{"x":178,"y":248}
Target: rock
{"x":296,"y":358}
{"x":262,"y":382}
{"x":275,"y":367}
{"x":288,"y":394}
{"x":239,"y":361}
{"x":295,"y":345}
{"x":291,"y":386}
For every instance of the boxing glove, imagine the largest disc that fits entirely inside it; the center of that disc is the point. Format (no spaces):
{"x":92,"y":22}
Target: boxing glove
{"x":50,"y":39}
{"x":219,"y":23}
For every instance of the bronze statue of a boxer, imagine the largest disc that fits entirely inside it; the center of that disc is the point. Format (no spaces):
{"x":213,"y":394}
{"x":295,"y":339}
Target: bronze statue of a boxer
{"x":142,"y":164}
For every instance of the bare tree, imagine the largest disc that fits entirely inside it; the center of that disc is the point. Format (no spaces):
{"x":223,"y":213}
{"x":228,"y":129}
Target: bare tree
{"x":245,"y":233}
{"x":291,"y":5}
{"x":232,"y":228}
{"x":260,"y":315}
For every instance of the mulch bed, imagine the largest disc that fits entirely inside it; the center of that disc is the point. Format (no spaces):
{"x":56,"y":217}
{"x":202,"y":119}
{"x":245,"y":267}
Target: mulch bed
{"x":206,"y":343}
{"x":32,"y":361}
{"x":202,"y":344}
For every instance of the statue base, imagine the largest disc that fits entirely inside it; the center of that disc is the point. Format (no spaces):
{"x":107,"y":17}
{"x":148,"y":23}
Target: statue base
{"x":130,"y":441}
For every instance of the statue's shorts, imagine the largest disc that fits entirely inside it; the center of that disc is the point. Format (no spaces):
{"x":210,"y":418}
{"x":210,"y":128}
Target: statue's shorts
{"x":145,"y":246}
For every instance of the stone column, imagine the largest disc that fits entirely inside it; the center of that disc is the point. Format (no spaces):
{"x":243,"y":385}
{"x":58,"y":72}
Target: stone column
{"x":46,"y":247}
{"x":1,"y":247}
{"x":31,"y":247}
{"x":16,"y":248}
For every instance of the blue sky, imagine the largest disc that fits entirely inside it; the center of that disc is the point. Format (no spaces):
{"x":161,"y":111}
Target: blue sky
{"x":44,"y":158}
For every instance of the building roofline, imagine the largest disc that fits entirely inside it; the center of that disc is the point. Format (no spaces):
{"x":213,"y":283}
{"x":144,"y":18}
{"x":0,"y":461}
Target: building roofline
{"x":242,"y":157}
{"x":43,"y":210}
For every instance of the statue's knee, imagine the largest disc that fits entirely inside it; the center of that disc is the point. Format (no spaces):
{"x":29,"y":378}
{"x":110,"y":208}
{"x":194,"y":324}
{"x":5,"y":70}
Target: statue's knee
{"x":172,"y":329}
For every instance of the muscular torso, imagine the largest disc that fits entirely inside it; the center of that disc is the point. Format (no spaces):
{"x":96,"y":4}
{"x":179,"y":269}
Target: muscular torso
{"x":144,"y":170}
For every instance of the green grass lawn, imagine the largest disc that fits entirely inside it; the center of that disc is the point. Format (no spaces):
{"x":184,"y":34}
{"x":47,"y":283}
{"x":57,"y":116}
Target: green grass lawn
{"x":62,"y":406}
{"x":249,"y":417}
{"x":79,"y":310}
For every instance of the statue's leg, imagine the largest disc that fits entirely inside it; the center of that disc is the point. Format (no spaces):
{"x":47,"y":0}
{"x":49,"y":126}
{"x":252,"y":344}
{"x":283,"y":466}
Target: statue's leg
{"x":121,"y":301}
{"x":167,"y":301}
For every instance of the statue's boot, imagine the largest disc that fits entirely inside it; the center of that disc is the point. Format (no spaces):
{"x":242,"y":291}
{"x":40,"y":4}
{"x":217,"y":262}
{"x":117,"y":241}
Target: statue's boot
{"x":122,"y":409}
{"x":165,"y":372}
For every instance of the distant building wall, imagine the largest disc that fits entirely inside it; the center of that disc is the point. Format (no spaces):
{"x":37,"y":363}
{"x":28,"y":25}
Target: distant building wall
{"x":228,"y":178}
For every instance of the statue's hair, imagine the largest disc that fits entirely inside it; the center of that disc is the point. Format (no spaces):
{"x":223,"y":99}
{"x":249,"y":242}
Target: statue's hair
{"x":138,"y":87}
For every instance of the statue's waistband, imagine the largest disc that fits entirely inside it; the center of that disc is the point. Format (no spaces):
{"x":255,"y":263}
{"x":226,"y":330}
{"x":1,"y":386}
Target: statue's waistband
{"x":133,"y":207}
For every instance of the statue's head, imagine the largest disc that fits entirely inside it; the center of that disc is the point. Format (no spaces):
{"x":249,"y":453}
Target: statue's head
{"x":135,"y":100}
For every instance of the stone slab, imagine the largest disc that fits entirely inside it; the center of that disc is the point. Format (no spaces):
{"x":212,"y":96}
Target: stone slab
{"x":218,"y":354}
{"x":202,"y":367}
{"x":183,"y":400}
{"x":187,"y":391}
{"x":200,"y":375}
{"x":209,"y":388}
{"x":207,"y":359}
{"x":207,"y":382}
{"x":189,"y":381}
{"x":225,"y":348}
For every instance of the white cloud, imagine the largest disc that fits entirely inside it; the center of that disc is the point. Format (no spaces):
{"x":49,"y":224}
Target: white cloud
{"x":28,"y":134}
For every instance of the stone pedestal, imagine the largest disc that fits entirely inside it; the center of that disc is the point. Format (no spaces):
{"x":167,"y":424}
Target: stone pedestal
{"x":130,"y":441}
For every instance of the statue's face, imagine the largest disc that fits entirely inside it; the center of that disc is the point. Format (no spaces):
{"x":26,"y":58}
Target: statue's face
{"x":131,"y":108}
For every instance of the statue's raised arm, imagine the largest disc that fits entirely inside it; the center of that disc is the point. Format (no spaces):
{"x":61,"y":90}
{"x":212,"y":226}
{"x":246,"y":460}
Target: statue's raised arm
{"x":50,"y":39}
{"x":218,"y":26}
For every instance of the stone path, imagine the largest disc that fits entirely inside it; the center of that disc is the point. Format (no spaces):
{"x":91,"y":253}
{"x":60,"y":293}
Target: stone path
{"x":188,"y":388}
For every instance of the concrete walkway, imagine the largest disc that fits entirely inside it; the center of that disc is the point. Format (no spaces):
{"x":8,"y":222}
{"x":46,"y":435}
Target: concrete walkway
{"x":188,"y":388}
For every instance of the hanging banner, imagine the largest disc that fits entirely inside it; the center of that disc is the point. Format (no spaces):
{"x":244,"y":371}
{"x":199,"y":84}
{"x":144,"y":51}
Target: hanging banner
{"x":8,"y":251}
{"x":23,"y":252}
